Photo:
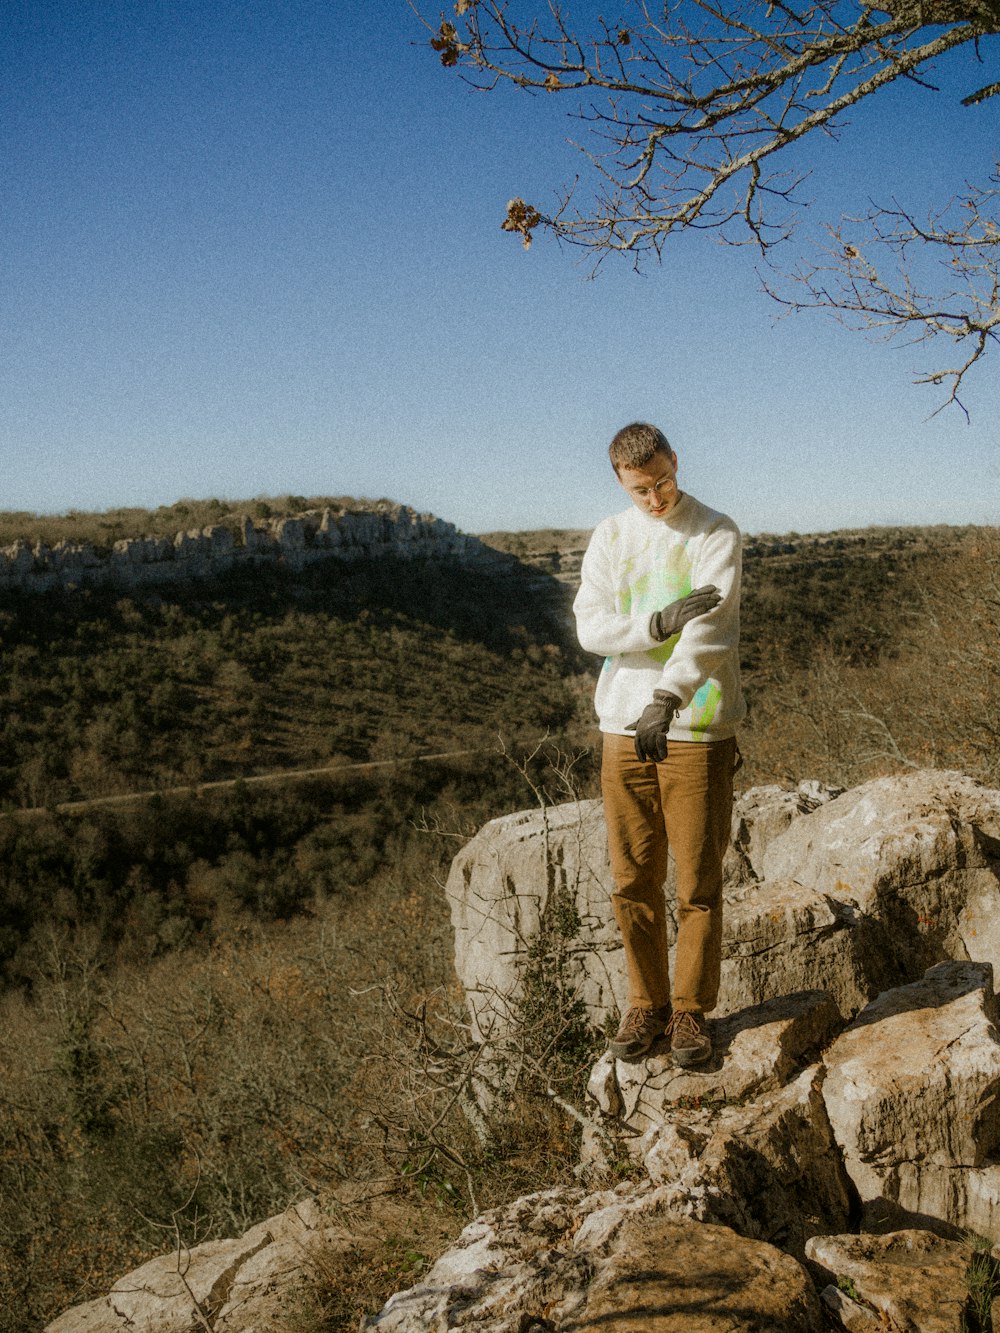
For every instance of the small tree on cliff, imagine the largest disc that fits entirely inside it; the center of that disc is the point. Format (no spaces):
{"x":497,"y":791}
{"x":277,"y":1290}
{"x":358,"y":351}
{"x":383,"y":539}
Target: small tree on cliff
{"x":694,"y":108}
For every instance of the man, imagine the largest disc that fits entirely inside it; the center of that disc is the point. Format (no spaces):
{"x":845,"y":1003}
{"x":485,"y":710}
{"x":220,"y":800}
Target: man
{"x":660,"y":600}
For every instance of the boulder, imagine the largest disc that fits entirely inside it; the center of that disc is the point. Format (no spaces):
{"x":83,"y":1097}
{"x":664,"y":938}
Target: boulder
{"x":768,"y":1168}
{"x":853,"y":893}
{"x":913,"y":1095}
{"x":664,"y":1276}
{"x":760,"y":814}
{"x":537,"y":877}
{"x":781,"y":937}
{"x":614,"y":1260}
{"x":247,"y":1285}
{"x":916,"y":856}
{"x":911,"y":1281}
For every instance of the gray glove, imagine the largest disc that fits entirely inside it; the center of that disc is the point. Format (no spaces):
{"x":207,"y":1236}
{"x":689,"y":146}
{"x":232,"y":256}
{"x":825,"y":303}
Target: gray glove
{"x":651,"y":729}
{"x":672,"y":619}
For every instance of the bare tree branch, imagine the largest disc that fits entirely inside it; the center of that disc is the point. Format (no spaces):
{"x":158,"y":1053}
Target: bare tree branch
{"x":694,"y":112}
{"x":871,"y":278}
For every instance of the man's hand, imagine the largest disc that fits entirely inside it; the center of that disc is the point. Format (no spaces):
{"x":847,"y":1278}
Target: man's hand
{"x":672,"y":619}
{"x":651,"y":729}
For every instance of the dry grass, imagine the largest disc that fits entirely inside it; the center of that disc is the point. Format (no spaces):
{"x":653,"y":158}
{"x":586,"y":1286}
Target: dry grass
{"x":392,"y":1237}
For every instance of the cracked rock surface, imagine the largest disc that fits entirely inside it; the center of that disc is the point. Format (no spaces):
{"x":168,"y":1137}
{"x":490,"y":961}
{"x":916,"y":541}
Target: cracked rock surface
{"x":616,"y":1260}
{"x":911,"y":1281}
{"x":224,"y":1286}
{"x":913,"y":1093}
{"x":851,"y":893}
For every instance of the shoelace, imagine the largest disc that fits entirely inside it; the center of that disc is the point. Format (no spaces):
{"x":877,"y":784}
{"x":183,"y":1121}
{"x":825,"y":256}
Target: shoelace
{"x":684,"y":1024}
{"x":633,"y":1021}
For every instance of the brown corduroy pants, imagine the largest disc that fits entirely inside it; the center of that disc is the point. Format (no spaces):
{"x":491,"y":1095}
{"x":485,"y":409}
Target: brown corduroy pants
{"x":685,"y":804}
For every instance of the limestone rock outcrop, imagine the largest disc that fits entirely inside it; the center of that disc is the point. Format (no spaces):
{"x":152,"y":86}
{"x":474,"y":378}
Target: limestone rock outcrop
{"x":542,"y":872}
{"x":622,"y":1260}
{"x":745,"y":1141}
{"x":912,"y":1281}
{"x":851,"y":893}
{"x":913,"y":1092}
{"x":753,"y":1155}
{"x":792,"y":1127}
{"x":293,"y":542}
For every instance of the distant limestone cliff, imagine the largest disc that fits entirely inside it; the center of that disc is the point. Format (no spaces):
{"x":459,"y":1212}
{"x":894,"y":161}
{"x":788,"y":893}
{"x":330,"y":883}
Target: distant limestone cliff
{"x":291,"y":542}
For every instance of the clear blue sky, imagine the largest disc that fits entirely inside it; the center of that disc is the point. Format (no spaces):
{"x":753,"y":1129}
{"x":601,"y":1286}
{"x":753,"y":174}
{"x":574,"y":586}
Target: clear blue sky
{"x":254,"y":248}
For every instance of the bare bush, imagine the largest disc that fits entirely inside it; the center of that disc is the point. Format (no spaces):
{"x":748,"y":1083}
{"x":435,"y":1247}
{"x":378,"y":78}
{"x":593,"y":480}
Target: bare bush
{"x":932,"y":701}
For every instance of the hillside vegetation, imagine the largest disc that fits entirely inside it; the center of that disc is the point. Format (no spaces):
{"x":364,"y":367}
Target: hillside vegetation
{"x":262,"y":670}
{"x":219,"y":1001}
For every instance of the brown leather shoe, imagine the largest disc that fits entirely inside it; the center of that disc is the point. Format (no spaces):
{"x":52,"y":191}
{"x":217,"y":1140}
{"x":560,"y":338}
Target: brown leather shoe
{"x":639,"y":1029}
{"x":690,"y":1043}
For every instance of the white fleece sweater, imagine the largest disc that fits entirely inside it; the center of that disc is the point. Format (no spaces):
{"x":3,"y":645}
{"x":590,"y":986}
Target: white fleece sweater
{"x":635,"y":565}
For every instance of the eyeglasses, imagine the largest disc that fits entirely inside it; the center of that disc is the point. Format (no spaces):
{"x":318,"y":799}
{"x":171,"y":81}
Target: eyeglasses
{"x":663,"y":487}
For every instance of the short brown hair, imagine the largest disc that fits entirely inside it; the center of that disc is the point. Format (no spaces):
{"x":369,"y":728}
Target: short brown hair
{"x":635,"y":445}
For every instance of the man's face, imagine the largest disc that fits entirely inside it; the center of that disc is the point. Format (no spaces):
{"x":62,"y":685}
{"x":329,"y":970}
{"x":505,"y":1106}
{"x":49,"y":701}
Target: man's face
{"x":652,"y":487}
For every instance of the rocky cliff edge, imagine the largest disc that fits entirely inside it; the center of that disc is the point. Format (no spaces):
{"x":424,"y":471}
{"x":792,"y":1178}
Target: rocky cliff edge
{"x":390,"y":530}
{"x":835,"y":1166}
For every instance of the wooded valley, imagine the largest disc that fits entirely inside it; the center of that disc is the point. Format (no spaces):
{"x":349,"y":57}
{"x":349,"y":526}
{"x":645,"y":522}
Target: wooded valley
{"x":218,"y":1001}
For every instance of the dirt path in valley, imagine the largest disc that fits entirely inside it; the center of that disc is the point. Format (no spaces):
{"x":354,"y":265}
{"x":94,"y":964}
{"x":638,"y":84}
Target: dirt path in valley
{"x":198,"y":788}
